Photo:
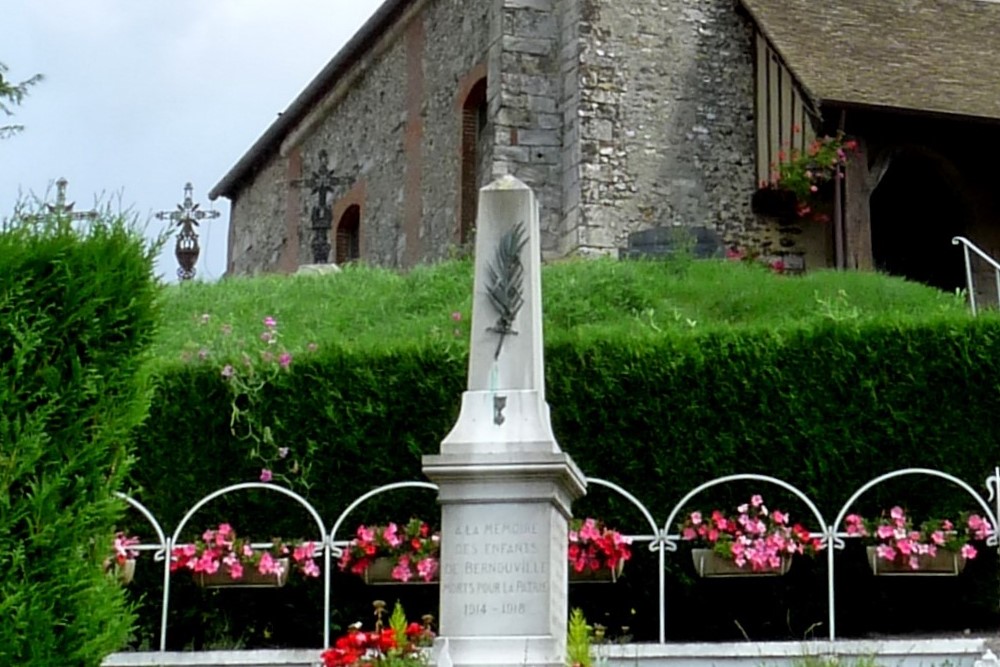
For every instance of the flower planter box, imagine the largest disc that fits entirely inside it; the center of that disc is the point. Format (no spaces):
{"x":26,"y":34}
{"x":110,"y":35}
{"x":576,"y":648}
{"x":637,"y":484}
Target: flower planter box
{"x":602,"y":575}
{"x":707,"y":564}
{"x":774,"y":203}
{"x":943,"y":564}
{"x":379,"y":573}
{"x":251,"y":578}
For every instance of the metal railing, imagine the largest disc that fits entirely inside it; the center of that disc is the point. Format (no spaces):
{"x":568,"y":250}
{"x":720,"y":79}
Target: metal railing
{"x":968,"y":246}
{"x":661,"y":538}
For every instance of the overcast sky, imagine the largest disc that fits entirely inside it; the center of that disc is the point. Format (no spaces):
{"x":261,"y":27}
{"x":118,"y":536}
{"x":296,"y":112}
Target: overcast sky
{"x":141,"y":96}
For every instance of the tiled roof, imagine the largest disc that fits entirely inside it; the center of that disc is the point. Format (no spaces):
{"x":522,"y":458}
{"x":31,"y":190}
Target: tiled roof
{"x":931,"y":55}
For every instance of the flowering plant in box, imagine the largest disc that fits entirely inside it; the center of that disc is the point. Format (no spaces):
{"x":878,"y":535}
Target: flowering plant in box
{"x":898,"y":541}
{"x":122,"y":552}
{"x":413,"y":549}
{"x":755,"y":537}
{"x":221,"y":549}
{"x":593,"y":546}
{"x":801,"y":173}
{"x":399,"y":645}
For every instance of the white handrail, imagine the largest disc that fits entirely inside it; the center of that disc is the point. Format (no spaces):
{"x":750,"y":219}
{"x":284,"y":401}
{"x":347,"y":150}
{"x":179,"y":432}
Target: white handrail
{"x":968,"y":245}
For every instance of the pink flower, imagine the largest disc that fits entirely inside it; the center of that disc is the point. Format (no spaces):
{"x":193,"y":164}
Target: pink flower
{"x":696,"y":518}
{"x":285,"y":359}
{"x":968,"y":551}
{"x":885,"y":552}
{"x":426,"y":568}
{"x":310,"y":569}
{"x":265,"y":475}
{"x":884,"y":532}
{"x":897,"y":513}
{"x":402,"y":570}
{"x":456,"y":316}
{"x":778,"y":517}
{"x":236,"y":570}
{"x":270,"y":322}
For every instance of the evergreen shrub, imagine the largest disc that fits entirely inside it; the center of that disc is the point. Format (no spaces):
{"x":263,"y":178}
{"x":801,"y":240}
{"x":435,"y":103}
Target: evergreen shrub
{"x":825,"y":406}
{"x":77,"y":315}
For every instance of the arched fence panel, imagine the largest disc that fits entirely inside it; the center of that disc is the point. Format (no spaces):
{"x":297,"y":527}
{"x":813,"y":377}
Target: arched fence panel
{"x":659,"y":537}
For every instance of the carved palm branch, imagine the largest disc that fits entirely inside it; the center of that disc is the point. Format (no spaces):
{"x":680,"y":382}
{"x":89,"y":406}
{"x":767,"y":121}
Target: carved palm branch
{"x":506,"y":282}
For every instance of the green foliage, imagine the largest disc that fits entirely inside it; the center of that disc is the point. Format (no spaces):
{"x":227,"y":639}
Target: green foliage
{"x":11,"y":95}
{"x":77,"y":314}
{"x":658,"y":379}
{"x":578,"y":641}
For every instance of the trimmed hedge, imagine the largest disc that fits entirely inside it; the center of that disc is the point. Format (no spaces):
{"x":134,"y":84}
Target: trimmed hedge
{"x":825,"y":406}
{"x":76,"y":317}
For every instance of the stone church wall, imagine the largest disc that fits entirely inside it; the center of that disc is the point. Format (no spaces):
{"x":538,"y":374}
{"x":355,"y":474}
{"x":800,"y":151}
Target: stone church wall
{"x":256,"y":231}
{"x":666,"y":118}
{"x":396,"y":131}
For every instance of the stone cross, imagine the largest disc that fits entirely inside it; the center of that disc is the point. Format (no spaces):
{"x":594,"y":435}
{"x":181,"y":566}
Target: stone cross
{"x":505,"y":487}
{"x":187,"y":216}
{"x":321,"y":183}
{"x":62,"y":209}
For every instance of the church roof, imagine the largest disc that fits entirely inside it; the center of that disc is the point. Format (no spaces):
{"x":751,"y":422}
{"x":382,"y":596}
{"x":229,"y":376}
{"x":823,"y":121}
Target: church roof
{"x":930,"y":55}
{"x":270,"y":142}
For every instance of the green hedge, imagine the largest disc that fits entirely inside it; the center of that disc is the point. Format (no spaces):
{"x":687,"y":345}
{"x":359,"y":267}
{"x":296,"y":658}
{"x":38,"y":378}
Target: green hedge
{"x":76,"y":317}
{"x":825,"y":406}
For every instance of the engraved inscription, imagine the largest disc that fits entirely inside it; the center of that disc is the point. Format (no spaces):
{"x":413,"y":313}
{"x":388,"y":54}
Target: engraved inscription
{"x":495,"y":570}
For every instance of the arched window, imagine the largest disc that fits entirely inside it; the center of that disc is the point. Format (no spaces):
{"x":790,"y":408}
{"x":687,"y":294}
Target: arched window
{"x":474,"y":119}
{"x":349,"y":235}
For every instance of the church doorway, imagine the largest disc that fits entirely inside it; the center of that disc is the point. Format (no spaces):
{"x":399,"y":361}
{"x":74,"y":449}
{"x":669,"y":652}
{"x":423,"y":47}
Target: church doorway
{"x":915,"y":211}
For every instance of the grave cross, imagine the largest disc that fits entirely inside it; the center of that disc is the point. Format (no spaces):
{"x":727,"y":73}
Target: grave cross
{"x":187,"y":216}
{"x":322,"y":183}
{"x":62,"y":209}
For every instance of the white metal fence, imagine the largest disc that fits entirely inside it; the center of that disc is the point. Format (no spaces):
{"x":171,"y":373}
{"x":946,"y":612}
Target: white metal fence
{"x":660,"y":538}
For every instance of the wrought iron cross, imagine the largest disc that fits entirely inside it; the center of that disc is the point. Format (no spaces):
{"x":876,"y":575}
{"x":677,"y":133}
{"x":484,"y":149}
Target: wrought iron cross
{"x":187,"y":216}
{"x":62,"y":209}
{"x":322,"y":183}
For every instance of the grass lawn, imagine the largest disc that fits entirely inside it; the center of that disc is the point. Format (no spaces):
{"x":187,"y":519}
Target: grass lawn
{"x":370,"y":307}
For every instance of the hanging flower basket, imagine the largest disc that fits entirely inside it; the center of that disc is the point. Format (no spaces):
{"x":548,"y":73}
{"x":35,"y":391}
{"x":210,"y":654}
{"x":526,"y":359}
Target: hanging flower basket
{"x":775,"y":202}
{"x":937,"y":547}
{"x":707,"y":563}
{"x":754,"y":542}
{"x":122,"y":569}
{"x":250,"y":578}
{"x":379,"y":573}
{"x":943,"y":563}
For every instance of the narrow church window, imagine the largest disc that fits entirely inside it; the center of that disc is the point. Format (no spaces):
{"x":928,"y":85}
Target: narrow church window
{"x":349,"y":235}
{"x":474,"y":119}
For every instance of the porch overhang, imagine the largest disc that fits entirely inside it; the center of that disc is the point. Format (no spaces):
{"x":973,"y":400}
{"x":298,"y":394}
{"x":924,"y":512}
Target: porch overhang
{"x":936,"y":56}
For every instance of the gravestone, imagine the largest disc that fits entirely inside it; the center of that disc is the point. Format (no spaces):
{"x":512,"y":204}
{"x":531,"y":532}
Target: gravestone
{"x":660,"y":242}
{"x":505,"y":486}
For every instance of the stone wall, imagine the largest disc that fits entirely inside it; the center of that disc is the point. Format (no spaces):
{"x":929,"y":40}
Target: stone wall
{"x":666,"y":118}
{"x":524,"y":99}
{"x":457,"y":43}
{"x":397,"y":130}
{"x":257,"y":234}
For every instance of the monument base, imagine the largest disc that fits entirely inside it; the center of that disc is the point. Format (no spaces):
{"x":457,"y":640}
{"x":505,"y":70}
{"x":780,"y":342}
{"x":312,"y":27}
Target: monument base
{"x":504,"y":569}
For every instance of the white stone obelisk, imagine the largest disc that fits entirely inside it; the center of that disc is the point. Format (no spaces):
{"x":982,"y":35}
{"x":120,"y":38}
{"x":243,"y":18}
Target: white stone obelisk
{"x":505,"y":486}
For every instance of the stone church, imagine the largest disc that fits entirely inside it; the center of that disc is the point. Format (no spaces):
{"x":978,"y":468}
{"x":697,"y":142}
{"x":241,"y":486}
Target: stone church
{"x":632,"y":115}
